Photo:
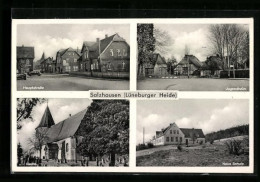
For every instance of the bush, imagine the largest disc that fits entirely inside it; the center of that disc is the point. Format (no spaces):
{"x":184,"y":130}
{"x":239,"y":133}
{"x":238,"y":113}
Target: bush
{"x":201,"y":142}
{"x":140,"y":147}
{"x":211,"y":141}
{"x":238,"y":74}
{"x":150,"y":145}
{"x":179,"y":147}
{"x":234,"y":146}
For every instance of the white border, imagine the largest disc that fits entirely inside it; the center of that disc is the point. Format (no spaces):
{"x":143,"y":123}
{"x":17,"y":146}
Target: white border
{"x":133,"y":82}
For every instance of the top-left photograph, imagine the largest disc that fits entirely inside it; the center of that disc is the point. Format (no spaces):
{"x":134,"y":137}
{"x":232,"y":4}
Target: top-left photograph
{"x":72,"y":57}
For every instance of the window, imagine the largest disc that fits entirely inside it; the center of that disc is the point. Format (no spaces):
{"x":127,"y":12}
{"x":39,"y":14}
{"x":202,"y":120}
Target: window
{"x":27,"y":61}
{"x":86,"y":54}
{"x":118,"y":52}
{"x":171,"y":139}
{"x":174,"y":132}
{"x":97,"y":65}
{"x":81,"y":66}
{"x":67,"y":59}
{"x":67,"y":147}
{"x":64,"y":61}
{"x":177,"y":131}
{"x":109,"y":66}
{"x":167,"y":139}
{"x":170,"y":131}
{"x":75,"y":68}
{"x":111,"y":52}
{"x":124,"y":52}
{"x":75,"y":60}
{"x":123,"y":65}
{"x":67,"y":68}
{"x":180,"y":139}
{"x":176,"y":139}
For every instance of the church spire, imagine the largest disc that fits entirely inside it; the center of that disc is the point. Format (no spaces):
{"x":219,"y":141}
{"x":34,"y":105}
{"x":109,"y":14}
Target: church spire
{"x":47,"y":119}
{"x":43,"y":56}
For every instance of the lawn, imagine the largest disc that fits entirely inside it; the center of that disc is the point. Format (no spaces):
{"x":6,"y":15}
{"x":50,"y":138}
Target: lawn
{"x":207,"y":155}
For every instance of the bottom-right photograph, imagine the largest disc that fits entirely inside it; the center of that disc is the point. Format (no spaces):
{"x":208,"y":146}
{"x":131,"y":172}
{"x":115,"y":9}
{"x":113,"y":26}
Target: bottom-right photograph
{"x":193,"y":132}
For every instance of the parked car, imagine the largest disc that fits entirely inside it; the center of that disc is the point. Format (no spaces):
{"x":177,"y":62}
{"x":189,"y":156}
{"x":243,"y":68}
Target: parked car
{"x":21,"y":76}
{"x":35,"y":72}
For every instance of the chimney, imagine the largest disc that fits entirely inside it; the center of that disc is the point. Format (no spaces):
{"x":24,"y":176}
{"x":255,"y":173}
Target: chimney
{"x":97,"y":39}
{"x":106,"y":36}
{"x":22,"y":45}
{"x":70,"y":115}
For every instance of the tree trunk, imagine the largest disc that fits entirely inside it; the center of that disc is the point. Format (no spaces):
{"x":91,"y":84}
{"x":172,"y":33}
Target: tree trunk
{"x":113,"y":159}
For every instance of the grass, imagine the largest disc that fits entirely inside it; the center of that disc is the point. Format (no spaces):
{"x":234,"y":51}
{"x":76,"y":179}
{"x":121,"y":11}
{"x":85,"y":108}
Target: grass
{"x":205,"y":155}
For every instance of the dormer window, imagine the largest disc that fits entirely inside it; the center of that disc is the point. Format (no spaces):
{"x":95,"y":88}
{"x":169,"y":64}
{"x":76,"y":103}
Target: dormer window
{"x":111,"y":52}
{"x":124,"y":52}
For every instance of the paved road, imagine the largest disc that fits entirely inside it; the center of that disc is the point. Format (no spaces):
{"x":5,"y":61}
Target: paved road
{"x":67,"y":83}
{"x":193,"y":84}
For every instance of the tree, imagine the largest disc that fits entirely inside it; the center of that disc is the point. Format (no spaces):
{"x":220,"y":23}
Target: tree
{"x":19,"y":153}
{"x":227,"y":41}
{"x":146,"y":45}
{"x":163,"y":41}
{"x":171,"y":64}
{"x":105,"y":128}
{"x":25,"y":107}
{"x":37,"y":141}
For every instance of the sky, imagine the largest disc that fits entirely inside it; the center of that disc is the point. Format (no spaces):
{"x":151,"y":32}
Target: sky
{"x":49,"y":38}
{"x":60,"y":110}
{"x":209,"y":115}
{"x":195,"y":36}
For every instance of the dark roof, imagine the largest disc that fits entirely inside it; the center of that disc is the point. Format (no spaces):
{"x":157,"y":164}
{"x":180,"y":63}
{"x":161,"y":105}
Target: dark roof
{"x":156,"y":59}
{"x":25,"y":52}
{"x":188,"y":132}
{"x":47,"y":120}
{"x":94,"y":49}
{"x":63,"y":51}
{"x":65,"y":128}
{"x":192,"y":59}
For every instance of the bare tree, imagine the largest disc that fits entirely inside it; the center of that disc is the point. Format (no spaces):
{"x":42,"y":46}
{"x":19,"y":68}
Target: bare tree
{"x":163,"y":41}
{"x":37,"y":141}
{"x":227,"y":41}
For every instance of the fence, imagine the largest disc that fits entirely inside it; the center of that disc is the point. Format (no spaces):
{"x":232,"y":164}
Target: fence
{"x":114,"y":75}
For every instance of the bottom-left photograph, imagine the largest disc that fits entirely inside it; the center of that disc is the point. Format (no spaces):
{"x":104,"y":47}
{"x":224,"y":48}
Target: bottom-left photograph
{"x":72,"y":132}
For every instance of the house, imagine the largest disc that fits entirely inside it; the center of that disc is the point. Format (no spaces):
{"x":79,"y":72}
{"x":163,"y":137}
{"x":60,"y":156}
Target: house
{"x":48,"y":65}
{"x":60,"y":141}
{"x":111,"y":54}
{"x":189,"y":65}
{"x":25,"y":57}
{"x":157,"y":67}
{"x":67,"y":60}
{"x":212,"y":66}
{"x":175,"y":135}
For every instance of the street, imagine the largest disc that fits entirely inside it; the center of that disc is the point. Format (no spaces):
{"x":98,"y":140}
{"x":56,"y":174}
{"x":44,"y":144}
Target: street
{"x":53,"y":82}
{"x":194,"y":84}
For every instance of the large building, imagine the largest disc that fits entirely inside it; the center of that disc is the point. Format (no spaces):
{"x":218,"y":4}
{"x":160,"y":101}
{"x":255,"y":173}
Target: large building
{"x":67,"y":60}
{"x":111,"y":54}
{"x":48,"y":65}
{"x":60,"y":139}
{"x":25,"y":57}
{"x":175,"y":135}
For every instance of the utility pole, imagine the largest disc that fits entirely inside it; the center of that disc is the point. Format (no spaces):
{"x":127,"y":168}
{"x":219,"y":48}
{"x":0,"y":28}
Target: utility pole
{"x":143,"y":134}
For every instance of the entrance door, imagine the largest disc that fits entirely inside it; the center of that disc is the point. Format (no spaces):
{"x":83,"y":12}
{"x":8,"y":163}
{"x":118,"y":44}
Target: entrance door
{"x":187,"y":141}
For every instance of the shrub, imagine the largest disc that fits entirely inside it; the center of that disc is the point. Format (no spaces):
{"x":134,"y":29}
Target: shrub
{"x":234,"y":146}
{"x":179,"y":147}
{"x":140,"y":147}
{"x":150,"y":145}
{"x":238,"y":74}
{"x":201,"y":142}
{"x":211,"y":141}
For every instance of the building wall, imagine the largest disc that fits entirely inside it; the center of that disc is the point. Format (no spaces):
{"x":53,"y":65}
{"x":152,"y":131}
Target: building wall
{"x":24,"y":65}
{"x":160,"y":69}
{"x":116,"y":57}
{"x":69,"y":62}
{"x":159,"y":140}
{"x":174,"y":135}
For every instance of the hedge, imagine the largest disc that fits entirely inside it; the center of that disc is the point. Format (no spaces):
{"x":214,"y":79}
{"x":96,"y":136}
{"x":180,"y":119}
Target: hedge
{"x":238,"y":74}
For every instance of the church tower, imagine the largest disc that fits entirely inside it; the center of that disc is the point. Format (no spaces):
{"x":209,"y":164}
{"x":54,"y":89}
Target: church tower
{"x":46,"y":121}
{"x":43,"y":56}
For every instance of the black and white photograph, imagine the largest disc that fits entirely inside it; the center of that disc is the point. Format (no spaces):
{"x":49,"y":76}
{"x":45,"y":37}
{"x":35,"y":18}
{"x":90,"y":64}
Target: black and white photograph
{"x":193,"y":133}
{"x":72,"y":132}
{"x":72,"y":57}
{"x":193,"y":57}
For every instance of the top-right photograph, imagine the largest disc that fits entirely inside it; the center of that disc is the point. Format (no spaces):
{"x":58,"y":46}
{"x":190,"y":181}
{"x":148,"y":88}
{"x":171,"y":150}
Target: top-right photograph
{"x":193,"y":57}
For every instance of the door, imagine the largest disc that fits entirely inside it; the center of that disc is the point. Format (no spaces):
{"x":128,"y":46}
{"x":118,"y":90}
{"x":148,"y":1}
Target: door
{"x":187,"y":142}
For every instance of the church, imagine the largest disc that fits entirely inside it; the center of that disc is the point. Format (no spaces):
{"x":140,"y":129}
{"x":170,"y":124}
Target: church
{"x":60,"y":141}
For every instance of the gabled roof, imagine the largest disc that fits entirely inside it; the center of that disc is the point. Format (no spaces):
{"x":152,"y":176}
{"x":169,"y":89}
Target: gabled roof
{"x":24,"y":52}
{"x":94,"y":49}
{"x":189,"y":132}
{"x":87,"y":44}
{"x":47,"y":120}
{"x":156,"y":59}
{"x":65,"y":128}
{"x":192,"y":59}
{"x":63,"y":51}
